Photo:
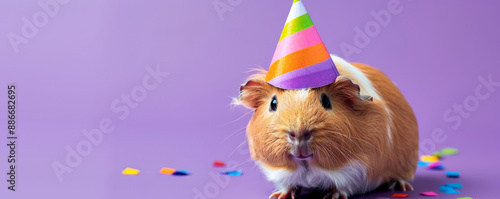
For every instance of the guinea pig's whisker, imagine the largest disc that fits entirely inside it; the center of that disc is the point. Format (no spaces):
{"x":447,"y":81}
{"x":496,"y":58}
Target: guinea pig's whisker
{"x":237,"y":119}
{"x":334,"y":158}
{"x":333,"y":155}
{"x":352,"y":154}
{"x":237,"y":148}
{"x":349,"y":140}
{"x":267,"y":157}
{"x":368,"y":143}
{"x":246,"y":161}
{"x":234,"y":133}
{"x":271,"y":145}
{"x":345,"y":156}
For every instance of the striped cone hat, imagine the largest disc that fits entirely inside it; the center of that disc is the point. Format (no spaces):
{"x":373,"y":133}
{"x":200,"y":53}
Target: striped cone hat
{"x":301,"y":59}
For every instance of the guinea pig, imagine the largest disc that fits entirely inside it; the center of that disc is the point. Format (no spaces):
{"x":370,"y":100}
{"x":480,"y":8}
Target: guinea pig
{"x":346,"y":138}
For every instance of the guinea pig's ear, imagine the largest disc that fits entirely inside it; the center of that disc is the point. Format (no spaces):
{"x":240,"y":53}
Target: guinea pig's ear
{"x":349,"y":92}
{"x":252,"y":92}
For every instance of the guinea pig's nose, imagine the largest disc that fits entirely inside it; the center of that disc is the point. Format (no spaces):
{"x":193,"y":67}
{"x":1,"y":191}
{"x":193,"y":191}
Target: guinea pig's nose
{"x":304,"y":136}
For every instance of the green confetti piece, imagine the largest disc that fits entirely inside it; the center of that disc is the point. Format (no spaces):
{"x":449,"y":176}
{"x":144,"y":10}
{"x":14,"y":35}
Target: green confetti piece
{"x":449,"y":151}
{"x":465,"y":198}
{"x":437,"y":154}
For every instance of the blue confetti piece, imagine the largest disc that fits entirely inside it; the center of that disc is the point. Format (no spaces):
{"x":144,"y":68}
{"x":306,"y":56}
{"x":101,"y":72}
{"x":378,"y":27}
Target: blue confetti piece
{"x":438,"y":167}
{"x":452,"y":191}
{"x":181,"y":173}
{"x":423,"y":164}
{"x":444,"y":188}
{"x":448,"y":190}
{"x":235,"y":173}
{"x":232,"y":173}
{"x":453,"y":174}
{"x":454,"y":185}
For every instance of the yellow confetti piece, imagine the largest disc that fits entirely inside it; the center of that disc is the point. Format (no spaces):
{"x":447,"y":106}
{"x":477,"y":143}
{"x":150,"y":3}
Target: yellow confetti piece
{"x":429,"y":158}
{"x":166,"y":170}
{"x":130,"y":171}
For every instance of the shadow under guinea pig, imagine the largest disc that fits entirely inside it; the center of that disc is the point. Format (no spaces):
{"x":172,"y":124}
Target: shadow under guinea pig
{"x":421,"y":183}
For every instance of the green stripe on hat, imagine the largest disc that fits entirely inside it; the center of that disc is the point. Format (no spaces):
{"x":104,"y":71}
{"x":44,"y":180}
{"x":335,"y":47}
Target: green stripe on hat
{"x":296,"y":25}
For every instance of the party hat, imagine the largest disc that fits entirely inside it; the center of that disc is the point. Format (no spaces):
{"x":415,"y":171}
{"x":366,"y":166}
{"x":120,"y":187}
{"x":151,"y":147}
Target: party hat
{"x":301,"y":59}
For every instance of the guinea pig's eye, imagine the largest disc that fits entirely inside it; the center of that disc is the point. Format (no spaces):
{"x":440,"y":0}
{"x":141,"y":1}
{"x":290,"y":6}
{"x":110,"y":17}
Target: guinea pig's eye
{"x":325,"y":102}
{"x":274,"y":104}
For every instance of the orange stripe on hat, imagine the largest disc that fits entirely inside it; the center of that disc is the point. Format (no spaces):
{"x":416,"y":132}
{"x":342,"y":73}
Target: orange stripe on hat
{"x":297,"y":60}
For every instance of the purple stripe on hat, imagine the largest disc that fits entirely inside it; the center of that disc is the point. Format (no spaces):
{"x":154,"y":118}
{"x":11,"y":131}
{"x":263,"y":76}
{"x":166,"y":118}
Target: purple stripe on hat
{"x":313,"y":76}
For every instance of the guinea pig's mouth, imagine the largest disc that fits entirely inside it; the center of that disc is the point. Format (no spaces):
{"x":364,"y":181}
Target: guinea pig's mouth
{"x":303,"y":157}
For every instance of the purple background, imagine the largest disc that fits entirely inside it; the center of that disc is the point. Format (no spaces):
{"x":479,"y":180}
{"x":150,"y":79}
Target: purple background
{"x":91,"y":52}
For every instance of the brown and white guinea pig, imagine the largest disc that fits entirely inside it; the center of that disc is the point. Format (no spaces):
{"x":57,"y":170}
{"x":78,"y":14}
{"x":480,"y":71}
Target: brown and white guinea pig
{"x":346,"y":138}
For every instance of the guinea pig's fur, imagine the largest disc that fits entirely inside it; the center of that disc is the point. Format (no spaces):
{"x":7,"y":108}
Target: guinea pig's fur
{"x":367,"y":138}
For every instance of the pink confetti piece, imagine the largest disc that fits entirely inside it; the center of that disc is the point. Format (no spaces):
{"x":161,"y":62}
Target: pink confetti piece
{"x":429,"y":193}
{"x":432,"y":165}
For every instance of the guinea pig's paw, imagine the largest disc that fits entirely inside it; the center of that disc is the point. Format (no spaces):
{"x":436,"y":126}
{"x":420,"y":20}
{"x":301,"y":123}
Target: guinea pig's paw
{"x":403,"y":185}
{"x":285,"y":194}
{"x":336,"y":195}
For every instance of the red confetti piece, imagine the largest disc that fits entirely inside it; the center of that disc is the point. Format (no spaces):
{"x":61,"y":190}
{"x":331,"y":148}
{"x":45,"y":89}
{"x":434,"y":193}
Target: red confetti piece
{"x":399,"y":195}
{"x":219,"y":164}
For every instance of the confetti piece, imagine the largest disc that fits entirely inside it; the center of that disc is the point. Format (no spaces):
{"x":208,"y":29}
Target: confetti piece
{"x":181,"y":173}
{"x":432,"y":165}
{"x":429,"y":158}
{"x":444,"y":188}
{"x":399,"y":195}
{"x":130,"y":171}
{"x":219,"y":163}
{"x":465,"y":198}
{"x":232,"y":173}
{"x":235,"y":173}
{"x":451,"y":191}
{"x":166,"y":170}
{"x":438,"y":154}
{"x":454,"y":185}
{"x":382,"y":198}
{"x":449,"y":151}
{"x":453,"y":174}
{"x":429,"y":193}
{"x":448,"y":190}
{"x":422,"y":164}
{"x":435,"y":166}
